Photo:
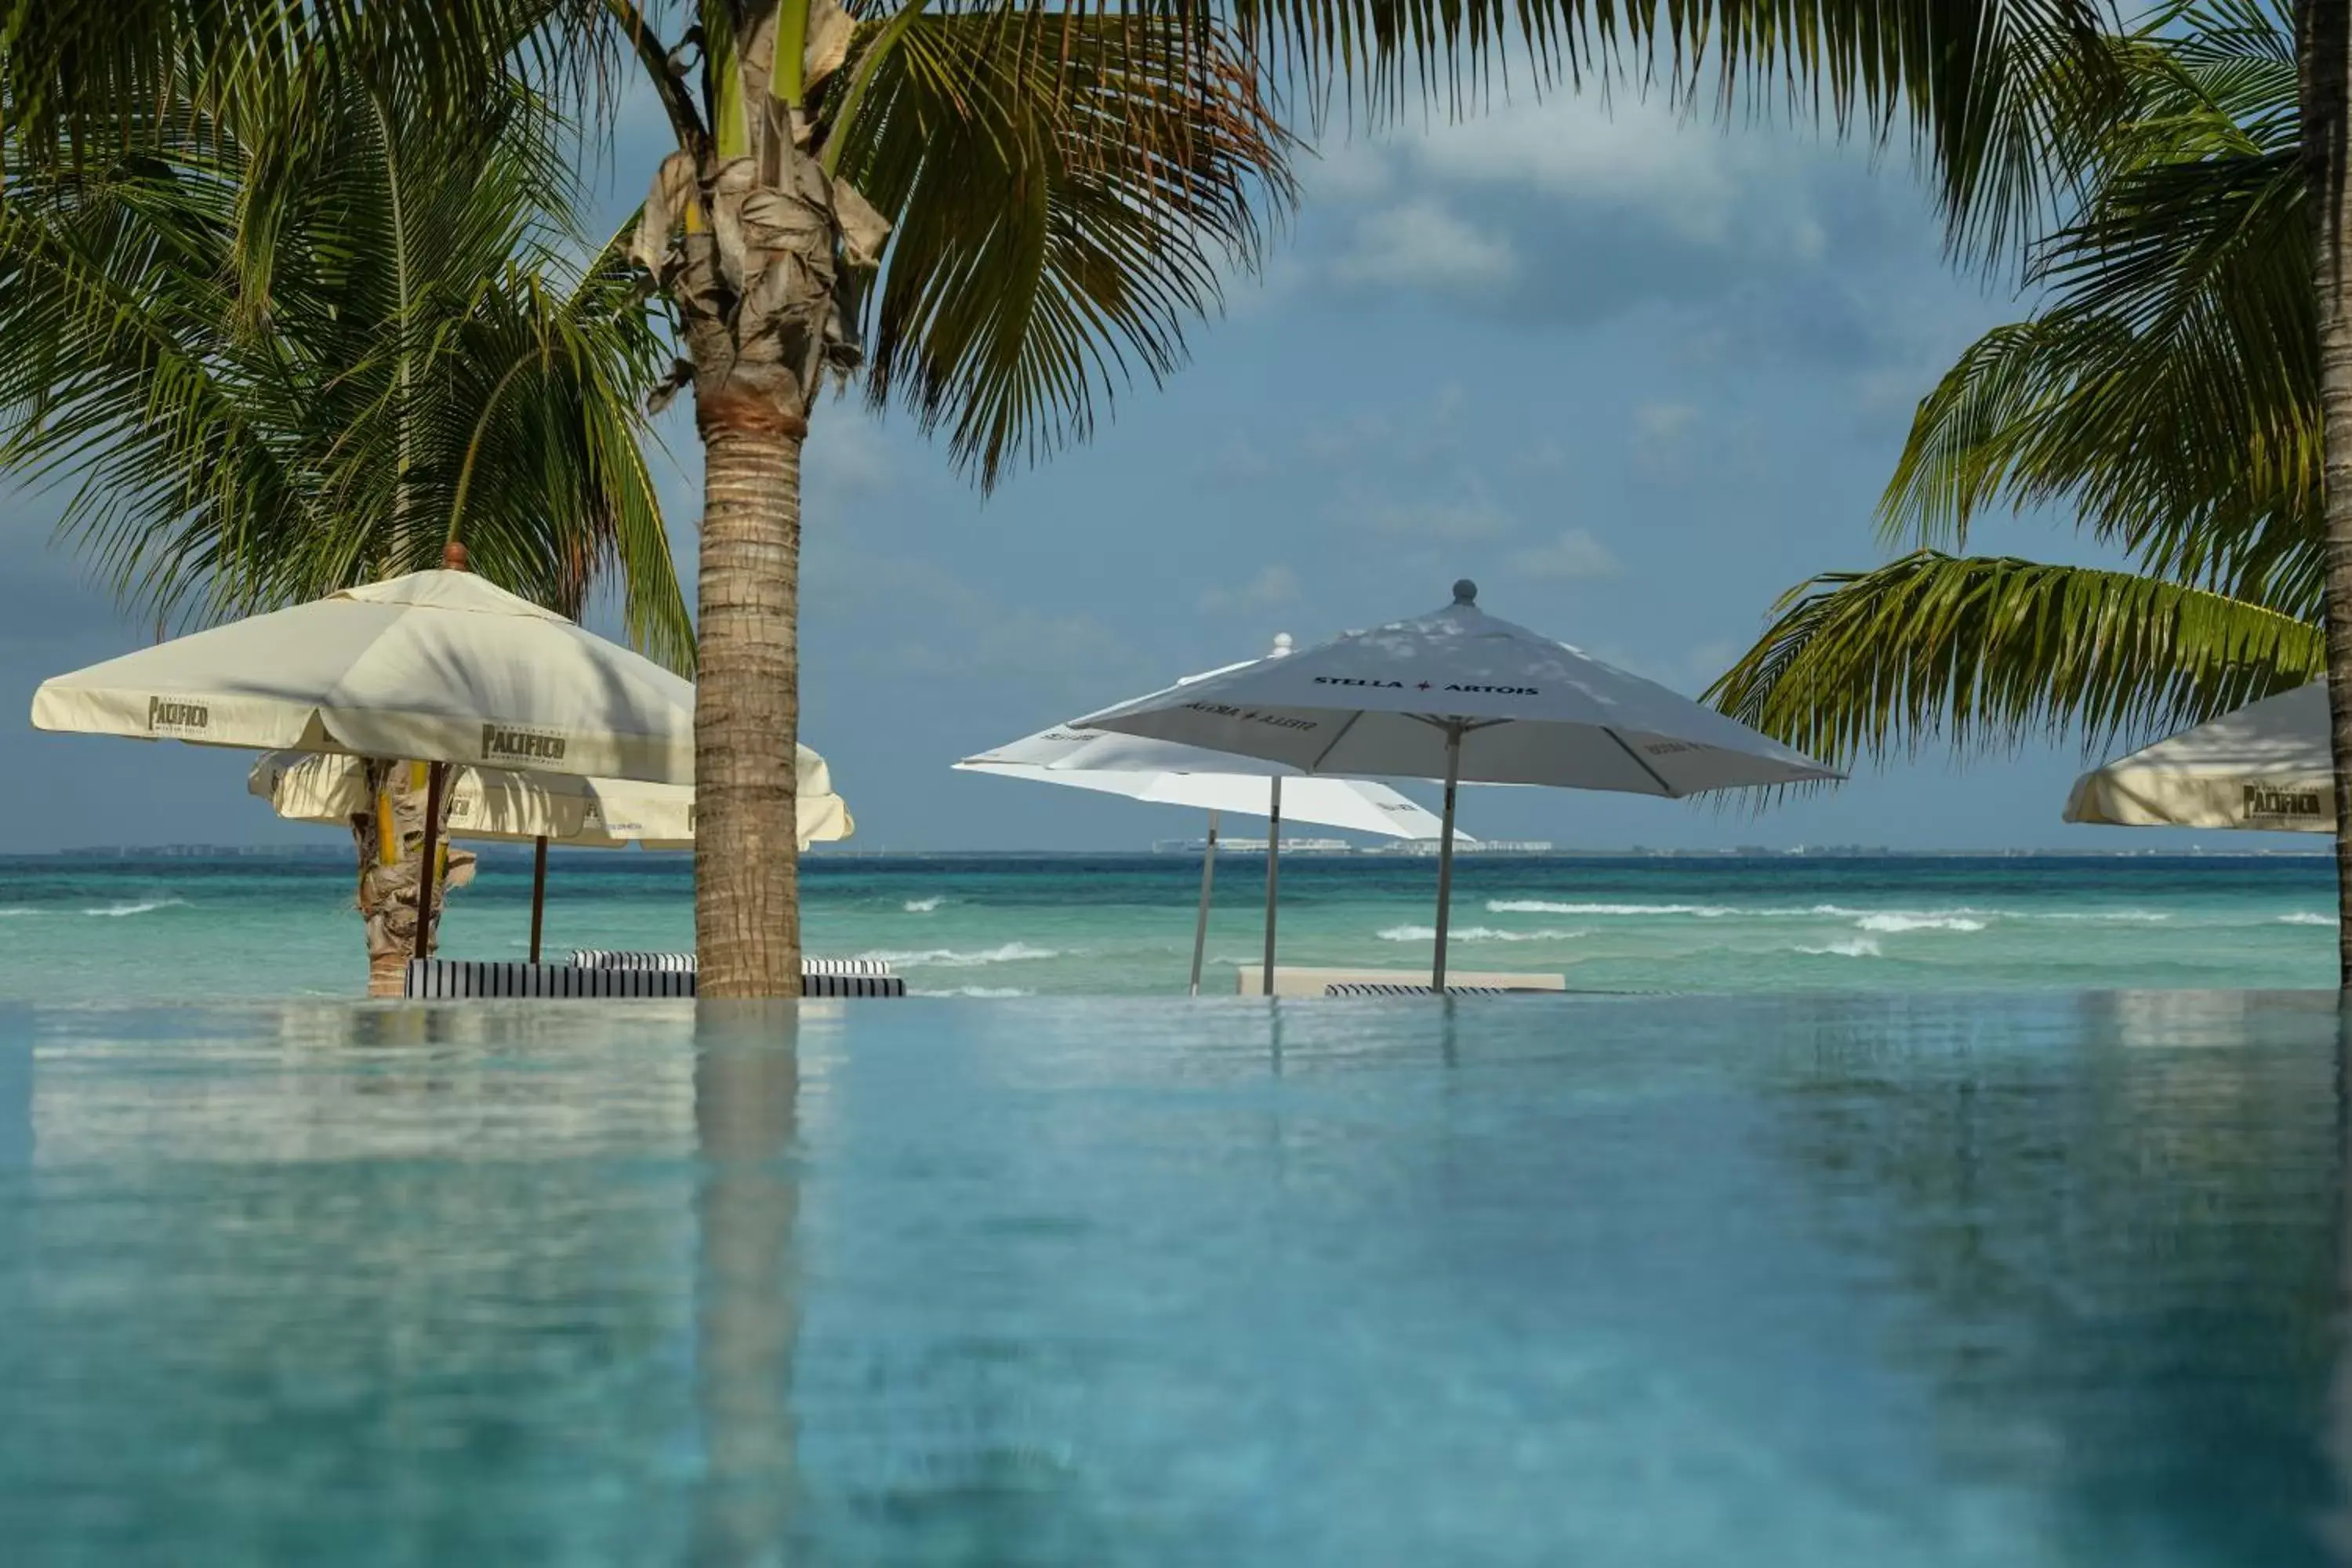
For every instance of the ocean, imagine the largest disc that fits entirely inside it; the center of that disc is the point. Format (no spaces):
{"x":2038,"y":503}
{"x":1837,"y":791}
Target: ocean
{"x":134,"y":926}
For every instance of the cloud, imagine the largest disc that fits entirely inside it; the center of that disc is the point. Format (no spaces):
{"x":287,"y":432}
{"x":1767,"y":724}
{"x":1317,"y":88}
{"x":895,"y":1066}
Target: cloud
{"x":1574,"y":556}
{"x":1637,"y":153}
{"x":1440,"y":521}
{"x":1240,"y":463}
{"x":866,"y":614}
{"x":1545,"y":457}
{"x":1275,"y":585}
{"x":1702,"y":664}
{"x":1665,"y":436}
{"x":1422,"y":243}
{"x":845,"y":456}
{"x":1572,"y":211}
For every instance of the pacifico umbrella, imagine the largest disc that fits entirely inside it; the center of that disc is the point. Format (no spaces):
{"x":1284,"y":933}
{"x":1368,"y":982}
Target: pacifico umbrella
{"x":439,"y":666}
{"x":1458,"y":695}
{"x":1215,"y":781}
{"x":499,"y":805}
{"x":2267,"y":765}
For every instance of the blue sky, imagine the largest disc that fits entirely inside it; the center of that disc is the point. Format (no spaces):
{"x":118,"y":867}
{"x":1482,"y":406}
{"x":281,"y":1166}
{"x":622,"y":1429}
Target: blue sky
{"x":1635,"y":376}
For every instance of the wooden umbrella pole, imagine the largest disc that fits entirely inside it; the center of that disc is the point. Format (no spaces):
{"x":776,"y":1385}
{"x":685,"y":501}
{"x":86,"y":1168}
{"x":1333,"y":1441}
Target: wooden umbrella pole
{"x":436,"y":780}
{"x":537,"y":890}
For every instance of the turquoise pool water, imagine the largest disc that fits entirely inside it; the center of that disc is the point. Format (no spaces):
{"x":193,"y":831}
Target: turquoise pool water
{"x":1810,"y":1281}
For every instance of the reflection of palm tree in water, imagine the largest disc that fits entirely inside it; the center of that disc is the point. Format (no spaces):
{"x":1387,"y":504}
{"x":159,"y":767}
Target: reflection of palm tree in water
{"x":2338,"y":1527}
{"x":746,"y":1089}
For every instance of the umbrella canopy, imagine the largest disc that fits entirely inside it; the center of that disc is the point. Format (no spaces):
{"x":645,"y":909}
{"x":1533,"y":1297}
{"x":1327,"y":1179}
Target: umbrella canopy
{"x":1168,"y":775}
{"x":1460,"y":694}
{"x":434,"y":666}
{"x":1521,"y":707}
{"x":498,"y":803}
{"x":2267,"y":765}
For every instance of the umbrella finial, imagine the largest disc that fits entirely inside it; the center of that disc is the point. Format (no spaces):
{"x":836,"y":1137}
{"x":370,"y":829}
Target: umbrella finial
{"x":453,"y":557}
{"x":1466,"y":591}
{"x":1281,"y":645}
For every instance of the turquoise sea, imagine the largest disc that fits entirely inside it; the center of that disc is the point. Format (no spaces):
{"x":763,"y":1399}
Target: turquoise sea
{"x":134,"y":927}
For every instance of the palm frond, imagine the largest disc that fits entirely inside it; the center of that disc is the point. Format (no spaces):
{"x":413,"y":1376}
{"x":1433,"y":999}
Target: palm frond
{"x":2167,"y":391}
{"x":1065,"y":191}
{"x":1982,"y":653}
{"x":82,"y":83}
{"x":270,"y":351}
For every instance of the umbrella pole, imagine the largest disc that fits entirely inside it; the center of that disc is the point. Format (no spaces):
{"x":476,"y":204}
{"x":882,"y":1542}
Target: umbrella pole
{"x":1200,"y":924}
{"x":537,"y":890}
{"x":436,"y":778}
{"x":1273,"y":872}
{"x":1445,"y":853}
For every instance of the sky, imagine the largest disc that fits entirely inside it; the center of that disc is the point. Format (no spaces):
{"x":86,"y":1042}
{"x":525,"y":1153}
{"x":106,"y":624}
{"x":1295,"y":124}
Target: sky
{"x":1634,"y":375}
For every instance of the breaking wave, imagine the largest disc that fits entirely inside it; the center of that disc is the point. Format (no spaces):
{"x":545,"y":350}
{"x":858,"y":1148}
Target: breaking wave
{"x":2294,"y":920}
{"x":1960,"y":918}
{"x":925,"y":906}
{"x":1544,"y":907}
{"x":1853,"y":947}
{"x":950,"y":958}
{"x":1900,"y":919}
{"x":1477,"y":933}
{"x":141,"y":908}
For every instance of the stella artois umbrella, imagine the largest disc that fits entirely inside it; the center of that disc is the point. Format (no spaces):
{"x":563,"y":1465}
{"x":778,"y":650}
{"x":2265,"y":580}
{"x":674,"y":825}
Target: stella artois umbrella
{"x":1458,"y":694}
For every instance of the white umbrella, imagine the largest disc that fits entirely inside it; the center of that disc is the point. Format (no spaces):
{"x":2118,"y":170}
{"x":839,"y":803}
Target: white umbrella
{"x":1169,"y":774}
{"x":2267,"y":765}
{"x":497,"y":803}
{"x":1459,"y":694}
{"x":441,"y":667}
{"x":437,"y":666}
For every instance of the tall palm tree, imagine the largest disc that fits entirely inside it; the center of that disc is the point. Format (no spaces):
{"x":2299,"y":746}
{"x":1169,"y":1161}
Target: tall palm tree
{"x":299,"y":340}
{"x":2167,"y":391}
{"x":998,"y":209}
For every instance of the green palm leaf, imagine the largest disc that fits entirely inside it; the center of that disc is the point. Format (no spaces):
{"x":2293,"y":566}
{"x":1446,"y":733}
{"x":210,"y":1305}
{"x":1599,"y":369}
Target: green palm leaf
{"x":274,"y":350}
{"x":1985,"y":652}
{"x":2168,"y":390}
{"x":1065,"y":190}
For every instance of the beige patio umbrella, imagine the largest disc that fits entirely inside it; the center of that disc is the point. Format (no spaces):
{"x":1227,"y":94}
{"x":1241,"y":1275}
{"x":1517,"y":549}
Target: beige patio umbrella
{"x":2265,"y":766}
{"x":437,"y":667}
{"x":504,"y":805}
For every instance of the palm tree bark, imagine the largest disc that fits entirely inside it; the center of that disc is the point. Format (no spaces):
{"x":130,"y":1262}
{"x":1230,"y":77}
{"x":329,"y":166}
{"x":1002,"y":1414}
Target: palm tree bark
{"x":747,"y":925}
{"x":390,"y":841}
{"x":2324,"y":33}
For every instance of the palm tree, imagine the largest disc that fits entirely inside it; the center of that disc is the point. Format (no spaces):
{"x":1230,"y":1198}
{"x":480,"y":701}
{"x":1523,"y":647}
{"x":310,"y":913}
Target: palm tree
{"x":998,"y":210}
{"x":987,"y":215}
{"x":299,"y":340}
{"x":2167,"y":391}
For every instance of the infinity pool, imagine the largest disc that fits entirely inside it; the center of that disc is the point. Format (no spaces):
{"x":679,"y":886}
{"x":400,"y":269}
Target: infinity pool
{"x":1805,"y":1281}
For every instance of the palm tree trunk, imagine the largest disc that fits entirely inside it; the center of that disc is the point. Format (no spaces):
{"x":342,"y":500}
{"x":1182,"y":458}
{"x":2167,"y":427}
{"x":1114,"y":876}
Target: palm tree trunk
{"x":747,"y":925}
{"x":2324,"y":34}
{"x":390,"y":839}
